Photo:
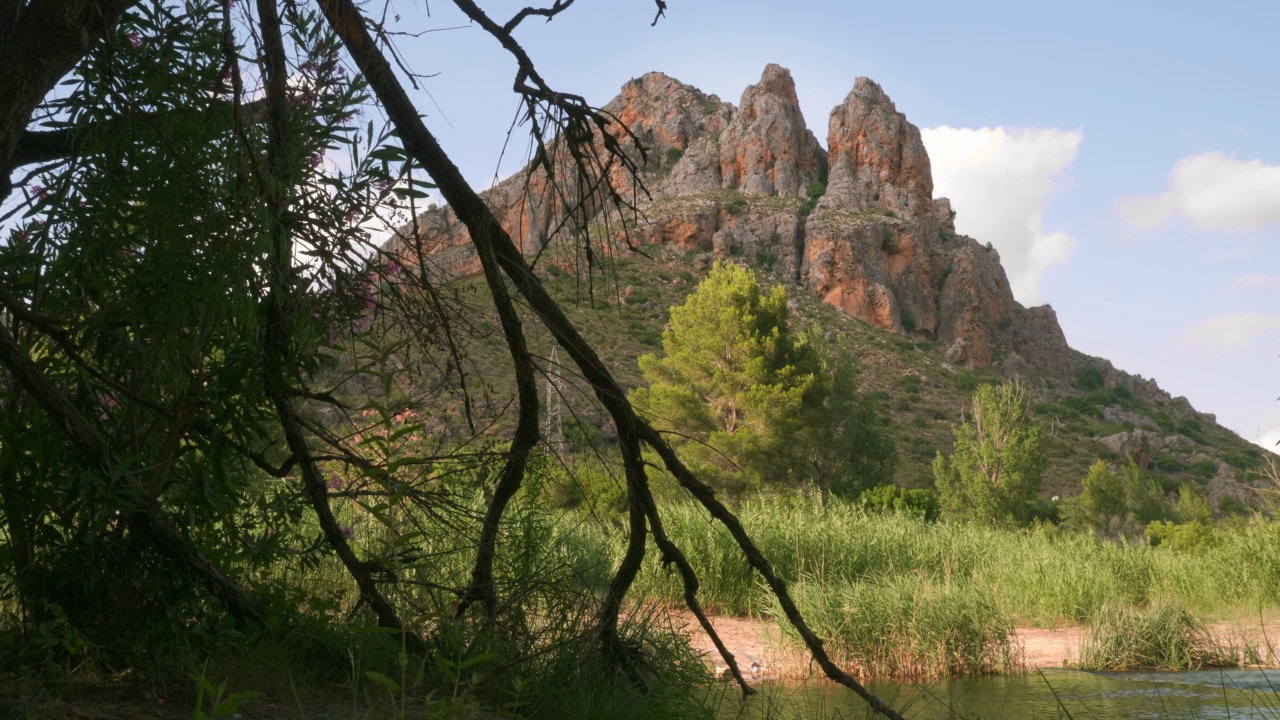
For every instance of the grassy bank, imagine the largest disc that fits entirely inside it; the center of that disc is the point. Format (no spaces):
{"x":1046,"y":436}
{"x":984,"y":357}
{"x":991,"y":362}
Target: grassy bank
{"x":896,"y":595}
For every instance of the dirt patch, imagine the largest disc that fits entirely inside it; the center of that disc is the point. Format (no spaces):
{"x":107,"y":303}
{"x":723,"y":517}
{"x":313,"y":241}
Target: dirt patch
{"x":757,"y":645}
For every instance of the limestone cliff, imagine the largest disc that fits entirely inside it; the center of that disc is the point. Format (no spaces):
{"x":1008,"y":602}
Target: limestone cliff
{"x":857,"y":223}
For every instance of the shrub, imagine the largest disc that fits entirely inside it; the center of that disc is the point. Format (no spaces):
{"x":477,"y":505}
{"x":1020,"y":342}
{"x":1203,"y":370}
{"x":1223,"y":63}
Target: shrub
{"x":1089,"y":379}
{"x":891,"y":499}
{"x":994,"y":470}
{"x":1162,"y":637}
{"x":674,"y":155}
{"x":909,"y":627}
{"x":888,"y":243}
{"x":1192,"y":535}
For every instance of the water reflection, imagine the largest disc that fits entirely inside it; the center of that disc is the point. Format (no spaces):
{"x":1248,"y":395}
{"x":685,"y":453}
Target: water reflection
{"x":1234,"y":694}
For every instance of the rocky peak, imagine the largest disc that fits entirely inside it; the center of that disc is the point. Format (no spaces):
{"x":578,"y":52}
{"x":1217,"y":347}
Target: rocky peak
{"x":732,"y":182}
{"x":665,"y":114}
{"x":767,"y":149}
{"x":877,"y":158}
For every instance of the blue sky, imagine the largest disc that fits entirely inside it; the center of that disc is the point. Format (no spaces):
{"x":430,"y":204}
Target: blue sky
{"x":1123,"y":156}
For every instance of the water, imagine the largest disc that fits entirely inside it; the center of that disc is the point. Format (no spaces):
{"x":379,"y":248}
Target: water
{"x":1233,"y":694}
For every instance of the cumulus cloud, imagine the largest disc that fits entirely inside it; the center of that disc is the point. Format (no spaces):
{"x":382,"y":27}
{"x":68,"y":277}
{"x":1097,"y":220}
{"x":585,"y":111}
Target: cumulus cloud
{"x":1230,"y":332}
{"x":1214,"y":191}
{"x":998,"y":180}
{"x":1255,"y":282}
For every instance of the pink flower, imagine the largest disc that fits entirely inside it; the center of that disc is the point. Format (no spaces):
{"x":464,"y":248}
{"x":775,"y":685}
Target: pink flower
{"x":393,"y":267}
{"x":364,"y":323}
{"x":135,"y":39}
{"x":335,"y":482}
{"x":39,"y":191}
{"x":346,"y":531}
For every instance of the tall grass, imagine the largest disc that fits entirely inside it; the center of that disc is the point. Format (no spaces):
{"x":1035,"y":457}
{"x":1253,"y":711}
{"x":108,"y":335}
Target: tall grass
{"x":899,"y":597}
{"x":1037,"y":578}
{"x":907,"y":627}
{"x":1161,"y":637}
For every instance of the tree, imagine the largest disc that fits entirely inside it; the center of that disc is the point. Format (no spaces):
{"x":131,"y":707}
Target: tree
{"x":756,"y":406}
{"x":157,"y":455}
{"x":1124,"y":503}
{"x":734,"y":383}
{"x":993,"y":474}
{"x":848,"y":452}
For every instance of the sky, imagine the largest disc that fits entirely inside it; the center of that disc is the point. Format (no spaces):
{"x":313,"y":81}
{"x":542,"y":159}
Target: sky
{"x":1123,"y":156}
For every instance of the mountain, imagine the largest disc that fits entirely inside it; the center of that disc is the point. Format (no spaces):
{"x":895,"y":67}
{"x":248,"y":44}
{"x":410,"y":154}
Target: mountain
{"x":854,"y":228}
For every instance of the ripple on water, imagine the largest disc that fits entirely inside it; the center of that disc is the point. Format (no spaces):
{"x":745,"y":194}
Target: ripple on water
{"x":1234,"y":694}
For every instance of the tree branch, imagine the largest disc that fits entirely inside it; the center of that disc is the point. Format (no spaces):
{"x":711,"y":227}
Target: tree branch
{"x":48,"y":38}
{"x":37,"y":146}
{"x":559,"y":7}
{"x":280,"y":316}
{"x":420,"y":144}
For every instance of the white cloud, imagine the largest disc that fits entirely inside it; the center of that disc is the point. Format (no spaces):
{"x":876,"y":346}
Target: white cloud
{"x":1214,"y":191}
{"x":1255,"y":282}
{"x":1270,"y":440}
{"x":998,"y":180}
{"x":1230,"y":332}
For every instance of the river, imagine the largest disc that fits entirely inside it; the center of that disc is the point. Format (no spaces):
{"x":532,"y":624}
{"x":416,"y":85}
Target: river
{"x":1233,"y":694}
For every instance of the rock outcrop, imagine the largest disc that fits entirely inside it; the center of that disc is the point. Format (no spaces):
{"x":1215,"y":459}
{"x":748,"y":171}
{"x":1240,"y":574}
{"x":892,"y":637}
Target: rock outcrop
{"x":747,"y":182}
{"x":767,"y":149}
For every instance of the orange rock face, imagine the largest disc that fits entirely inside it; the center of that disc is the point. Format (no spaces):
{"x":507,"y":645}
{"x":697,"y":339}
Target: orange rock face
{"x":731,"y":181}
{"x":767,"y":149}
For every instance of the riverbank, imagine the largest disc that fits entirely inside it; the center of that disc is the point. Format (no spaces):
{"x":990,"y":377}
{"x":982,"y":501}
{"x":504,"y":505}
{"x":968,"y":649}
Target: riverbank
{"x":764,"y":654}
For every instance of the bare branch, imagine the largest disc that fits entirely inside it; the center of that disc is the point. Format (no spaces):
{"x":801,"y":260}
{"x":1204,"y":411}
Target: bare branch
{"x":484,"y":228}
{"x":559,"y":7}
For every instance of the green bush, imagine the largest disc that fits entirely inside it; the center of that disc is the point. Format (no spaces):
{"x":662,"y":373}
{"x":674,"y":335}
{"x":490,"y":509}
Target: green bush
{"x":888,"y":242}
{"x":1089,"y":379}
{"x":1162,"y":637}
{"x":891,"y":499}
{"x":908,"y":627}
{"x":1192,"y":535}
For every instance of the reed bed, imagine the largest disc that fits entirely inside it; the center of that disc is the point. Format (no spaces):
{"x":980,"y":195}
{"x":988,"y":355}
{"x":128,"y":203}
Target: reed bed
{"x":1038,"y":578}
{"x":1162,"y":637}
{"x":896,"y":596}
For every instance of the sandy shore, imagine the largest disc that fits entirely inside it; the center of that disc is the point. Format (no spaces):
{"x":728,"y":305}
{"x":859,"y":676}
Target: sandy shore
{"x":757,"y":645}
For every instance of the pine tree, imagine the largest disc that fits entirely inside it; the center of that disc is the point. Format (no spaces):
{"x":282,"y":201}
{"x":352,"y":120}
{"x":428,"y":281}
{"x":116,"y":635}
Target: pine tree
{"x":734,"y":383}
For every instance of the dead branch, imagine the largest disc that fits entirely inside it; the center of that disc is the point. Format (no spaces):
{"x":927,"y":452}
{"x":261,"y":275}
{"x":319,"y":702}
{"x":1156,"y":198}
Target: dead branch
{"x":484,"y":228}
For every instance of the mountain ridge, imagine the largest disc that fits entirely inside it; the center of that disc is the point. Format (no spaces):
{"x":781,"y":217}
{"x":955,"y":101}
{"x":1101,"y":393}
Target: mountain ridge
{"x":855,"y":224}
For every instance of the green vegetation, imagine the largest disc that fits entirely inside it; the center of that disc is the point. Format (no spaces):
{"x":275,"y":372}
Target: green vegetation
{"x":908,"y":627}
{"x":238,"y":442}
{"x":1044,"y":577}
{"x":993,"y":474}
{"x":1161,"y":637}
{"x":755,"y":407}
